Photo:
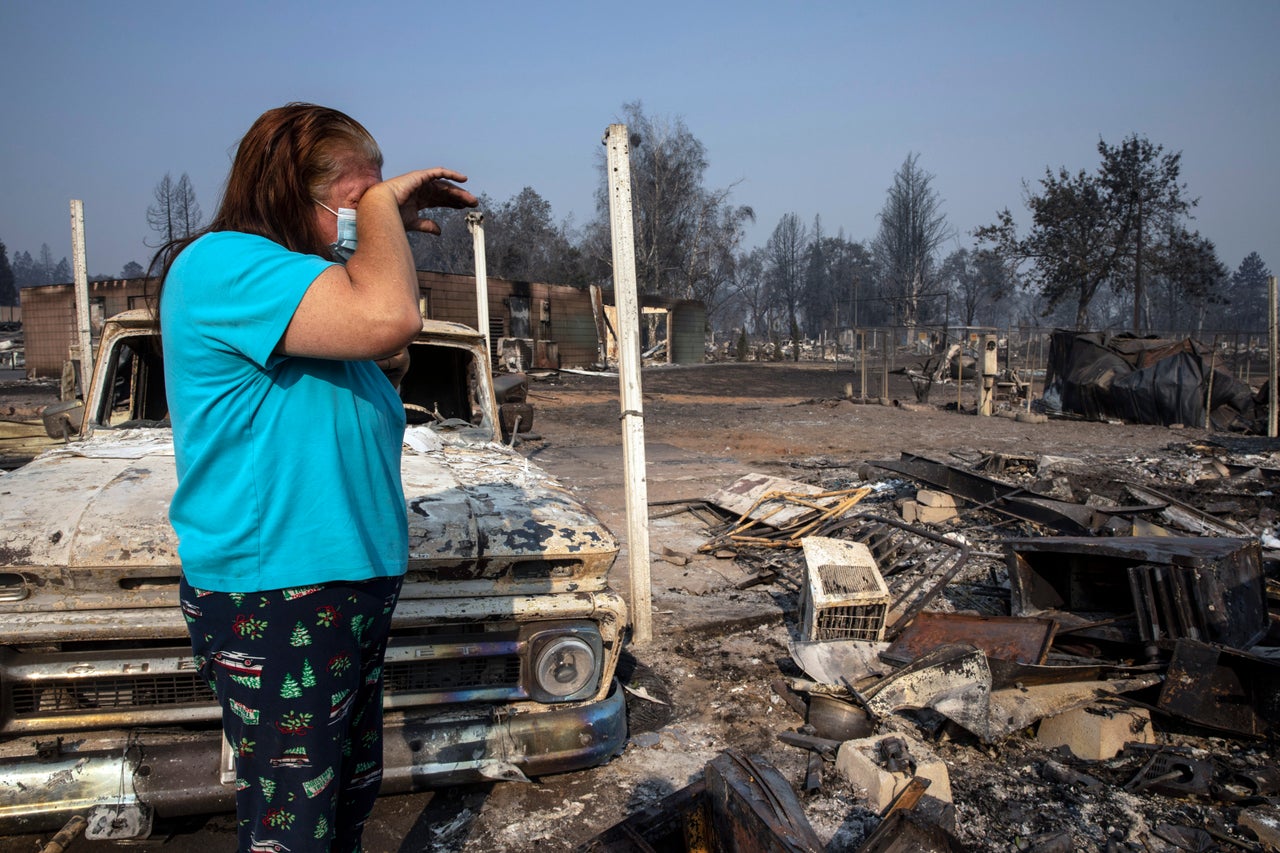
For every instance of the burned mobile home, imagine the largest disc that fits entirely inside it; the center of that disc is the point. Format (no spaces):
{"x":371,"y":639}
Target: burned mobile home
{"x":504,"y":644}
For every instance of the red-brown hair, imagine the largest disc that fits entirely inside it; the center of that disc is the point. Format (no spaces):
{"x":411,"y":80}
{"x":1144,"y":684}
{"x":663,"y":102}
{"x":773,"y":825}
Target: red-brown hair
{"x":289,"y":157}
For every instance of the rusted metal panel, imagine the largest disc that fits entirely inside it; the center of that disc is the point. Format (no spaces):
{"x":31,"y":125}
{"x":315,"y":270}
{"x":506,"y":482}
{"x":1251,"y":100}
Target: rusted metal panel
{"x":1011,"y":674}
{"x":1222,"y":689}
{"x":905,"y":831}
{"x":754,"y":810}
{"x":678,"y":821}
{"x":1020,"y":639}
{"x":1193,"y":587}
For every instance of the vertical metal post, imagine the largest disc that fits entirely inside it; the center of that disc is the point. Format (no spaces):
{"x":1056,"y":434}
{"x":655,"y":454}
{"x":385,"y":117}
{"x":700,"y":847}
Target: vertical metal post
{"x":837,"y":335}
{"x":1026,"y":335}
{"x":617,"y":145}
{"x":1273,"y":351}
{"x":1208,"y":396}
{"x":475,"y":224}
{"x":1040,"y":359}
{"x":81,"y":268}
{"x":862,"y":346}
{"x":884,"y":368}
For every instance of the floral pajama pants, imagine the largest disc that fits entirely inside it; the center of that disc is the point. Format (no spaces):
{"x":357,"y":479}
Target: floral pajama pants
{"x":298,"y":673}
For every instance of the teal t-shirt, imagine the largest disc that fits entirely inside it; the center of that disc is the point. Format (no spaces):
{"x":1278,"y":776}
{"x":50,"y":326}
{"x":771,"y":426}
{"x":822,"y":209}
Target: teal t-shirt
{"x":288,"y":468}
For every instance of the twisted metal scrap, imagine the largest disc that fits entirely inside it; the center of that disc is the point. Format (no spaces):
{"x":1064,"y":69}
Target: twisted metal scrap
{"x":826,"y":506}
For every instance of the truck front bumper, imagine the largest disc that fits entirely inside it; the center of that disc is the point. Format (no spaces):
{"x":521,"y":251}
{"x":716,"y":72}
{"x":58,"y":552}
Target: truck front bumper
{"x":123,"y":780}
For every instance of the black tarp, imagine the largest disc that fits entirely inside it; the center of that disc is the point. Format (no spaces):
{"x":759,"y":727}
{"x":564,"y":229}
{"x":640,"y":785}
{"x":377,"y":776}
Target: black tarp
{"x":1140,"y":380}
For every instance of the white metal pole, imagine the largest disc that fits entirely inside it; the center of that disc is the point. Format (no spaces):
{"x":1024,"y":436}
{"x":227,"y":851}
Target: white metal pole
{"x":475,"y":224}
{"x":628,"y":303}
{"x":82,"y":293}
{"x":1273,"y":303}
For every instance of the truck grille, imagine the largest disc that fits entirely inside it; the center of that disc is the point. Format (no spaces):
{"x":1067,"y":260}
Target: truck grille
{"x":77,"y":694}
{"x":453,"y":675}
{"x":160,"y":685}
{"x":104,"y":694}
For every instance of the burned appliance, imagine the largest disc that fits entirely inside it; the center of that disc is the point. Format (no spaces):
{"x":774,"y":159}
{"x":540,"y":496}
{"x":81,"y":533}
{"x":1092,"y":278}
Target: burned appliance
{"x":1153,"y":589}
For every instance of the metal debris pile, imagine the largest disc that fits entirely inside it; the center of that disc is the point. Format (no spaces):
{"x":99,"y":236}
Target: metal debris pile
{"x":1113,"y":636}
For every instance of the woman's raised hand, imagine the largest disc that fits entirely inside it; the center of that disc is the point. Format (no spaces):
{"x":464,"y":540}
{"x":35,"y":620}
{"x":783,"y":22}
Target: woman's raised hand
{"x":427,"y":188}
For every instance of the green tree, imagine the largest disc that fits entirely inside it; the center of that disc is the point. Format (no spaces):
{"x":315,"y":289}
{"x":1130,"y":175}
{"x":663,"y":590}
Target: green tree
{"x":24,"y":270}
{"x":1119,"y":226}
{"x":815,"y":294}
{"x":1071,"y":249}
{"x":523,"y":242}
{"x":1247,"y":294}
{"x":835,"y":268}
{"x":912,"y":229}
{"x":8,"y":286}
{"x":1185,"y":273}
{"x":133,"y":269}
{"x":47,"y":266}
{"x":1142,"y":186}
{"x":452,"y":250}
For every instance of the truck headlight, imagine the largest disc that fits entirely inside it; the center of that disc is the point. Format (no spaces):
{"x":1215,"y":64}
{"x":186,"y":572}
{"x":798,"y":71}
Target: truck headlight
{"x":565,"y":667}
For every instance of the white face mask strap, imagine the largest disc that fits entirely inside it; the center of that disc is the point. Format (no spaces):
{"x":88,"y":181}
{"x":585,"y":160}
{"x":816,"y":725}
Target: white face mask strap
{"x":325,"y":206}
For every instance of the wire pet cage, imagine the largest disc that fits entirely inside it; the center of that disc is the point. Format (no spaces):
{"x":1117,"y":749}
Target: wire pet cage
{"x":844,"y":597}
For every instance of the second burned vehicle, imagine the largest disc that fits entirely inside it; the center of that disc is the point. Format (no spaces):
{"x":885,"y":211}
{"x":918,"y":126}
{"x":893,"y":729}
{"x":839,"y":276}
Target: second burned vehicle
{"x":504,"y":643}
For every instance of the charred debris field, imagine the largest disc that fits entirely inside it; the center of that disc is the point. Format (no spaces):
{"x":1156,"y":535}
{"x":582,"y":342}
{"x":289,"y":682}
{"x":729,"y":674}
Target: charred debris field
{"x":1064,"y":632}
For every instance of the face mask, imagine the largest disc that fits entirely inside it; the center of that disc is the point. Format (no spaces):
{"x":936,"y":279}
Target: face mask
{"x":345,"y":247}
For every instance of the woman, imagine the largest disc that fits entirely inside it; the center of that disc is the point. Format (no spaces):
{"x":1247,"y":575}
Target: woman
{"x":289,"y":509}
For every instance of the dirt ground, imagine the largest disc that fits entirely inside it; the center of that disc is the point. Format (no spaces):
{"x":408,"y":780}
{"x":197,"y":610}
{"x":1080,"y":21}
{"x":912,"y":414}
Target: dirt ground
{"x":717,"y":648}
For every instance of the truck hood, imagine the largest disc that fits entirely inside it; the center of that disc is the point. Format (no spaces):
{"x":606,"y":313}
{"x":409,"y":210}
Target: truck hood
{"x":90,"y":522}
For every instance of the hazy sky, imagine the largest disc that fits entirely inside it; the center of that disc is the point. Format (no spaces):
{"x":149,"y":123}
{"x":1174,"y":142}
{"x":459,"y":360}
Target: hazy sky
{"x":810,"y":107}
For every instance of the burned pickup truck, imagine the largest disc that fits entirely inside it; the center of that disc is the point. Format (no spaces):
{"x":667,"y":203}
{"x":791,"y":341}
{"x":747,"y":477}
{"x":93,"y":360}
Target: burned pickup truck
{"x":503,"y":649}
